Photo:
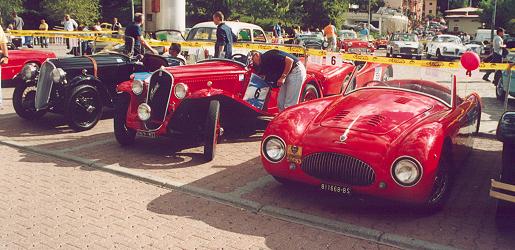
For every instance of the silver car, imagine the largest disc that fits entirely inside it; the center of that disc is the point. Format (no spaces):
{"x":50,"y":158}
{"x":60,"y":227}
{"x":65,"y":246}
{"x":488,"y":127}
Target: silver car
{"x":404,"y":45}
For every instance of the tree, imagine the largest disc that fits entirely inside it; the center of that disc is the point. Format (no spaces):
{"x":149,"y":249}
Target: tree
{"x":120,"y":9}
{"x":8,"y":6}
{"x":503,"y":15}
{"x":84,"y":12}
{"x":318,"y":12}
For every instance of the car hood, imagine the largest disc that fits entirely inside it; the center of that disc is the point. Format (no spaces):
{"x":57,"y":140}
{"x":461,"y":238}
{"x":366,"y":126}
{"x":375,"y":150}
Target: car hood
{"x":408,"y":44}
{"x":374,"y":111}
{"x":210,"y":68}
{"x":356,"y":42}
{"x":451,"y":45}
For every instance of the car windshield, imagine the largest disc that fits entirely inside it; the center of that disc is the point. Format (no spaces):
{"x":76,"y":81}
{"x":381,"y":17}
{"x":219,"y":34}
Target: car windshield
{"x":431,"y":82}
{"x":202,"y":33}
{"x":309,"y":37}
{"x":169,"y":35}
{"x":448,"y":39}
{"x":405,"y":38}
{"x":348,"y":35}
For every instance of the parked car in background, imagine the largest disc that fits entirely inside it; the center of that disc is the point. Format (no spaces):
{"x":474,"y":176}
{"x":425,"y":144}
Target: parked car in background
{"x":78,"y":87}
{"x":501,"y":79}
{"x":311,"y":41}
{"x":445,"y":47}
{"x":200,"y":101}
{"x":478,"y":47}
{"x":404,"y":45}
{"x":381,"y":42}
{"x":20,"y":58}
{"x":397,"y":139}
{"x":348,"y":42}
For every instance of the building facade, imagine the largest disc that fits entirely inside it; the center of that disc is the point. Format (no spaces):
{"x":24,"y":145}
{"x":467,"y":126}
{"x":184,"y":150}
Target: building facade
{"x":430,"y":7}
{"x":463,"y":20}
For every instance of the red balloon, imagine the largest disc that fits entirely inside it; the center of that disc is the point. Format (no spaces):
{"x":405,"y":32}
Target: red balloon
{"x":470,"y":60}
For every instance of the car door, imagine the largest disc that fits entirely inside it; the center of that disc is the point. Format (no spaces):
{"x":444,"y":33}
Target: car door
{"x":16,"y":62}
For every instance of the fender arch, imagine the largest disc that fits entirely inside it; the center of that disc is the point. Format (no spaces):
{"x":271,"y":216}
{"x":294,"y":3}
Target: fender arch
{"x":90,"y":79}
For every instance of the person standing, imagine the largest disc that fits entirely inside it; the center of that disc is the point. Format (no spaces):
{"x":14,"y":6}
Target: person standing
{"x":496,"y":56}
{"x":18,"y":24}
{"x":224,"y":37}
{"x":285,"y":71}
{"x":69,"y":25}
{"x":134,"y":37}
{"x":117,"y":26}
{"x":330,"y":35}
{"x":43,"y":41}
{"x":4,"y":58}
{"x":278,"y":33}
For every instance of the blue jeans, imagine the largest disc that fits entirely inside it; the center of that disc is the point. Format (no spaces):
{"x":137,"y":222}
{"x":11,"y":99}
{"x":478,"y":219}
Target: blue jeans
{"x":289,"y":94}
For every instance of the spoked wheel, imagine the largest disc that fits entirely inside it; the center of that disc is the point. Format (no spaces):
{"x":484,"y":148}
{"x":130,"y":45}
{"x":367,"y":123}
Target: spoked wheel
{"x":83,"y":108}
{"x":125,"y":136}
{"x":24,"y":98}
{"x":212,"y":123}
{"x":441,"y":186}
{"x":505,"y":212}
{"x":310,"y":93}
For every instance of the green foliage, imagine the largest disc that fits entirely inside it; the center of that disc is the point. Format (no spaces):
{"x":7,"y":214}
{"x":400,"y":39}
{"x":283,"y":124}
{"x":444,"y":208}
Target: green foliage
{"x":503,"y":16}
{"x":8,"y":6}
{"x":120,"y":9}
{"x":84,"y":12}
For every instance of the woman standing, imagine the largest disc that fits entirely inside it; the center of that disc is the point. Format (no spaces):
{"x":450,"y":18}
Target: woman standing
{"x":43,"y":40}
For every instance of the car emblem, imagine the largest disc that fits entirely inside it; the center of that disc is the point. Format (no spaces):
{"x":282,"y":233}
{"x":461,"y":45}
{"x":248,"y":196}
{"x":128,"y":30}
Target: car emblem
{"x":294,"y":149}
{"x":343,"y":138}
{"x":154,"y":90}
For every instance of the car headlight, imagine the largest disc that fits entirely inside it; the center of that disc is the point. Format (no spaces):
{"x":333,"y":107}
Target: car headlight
{"x":58,"y":75}
{"x":144,"y":112}
{"x":274,"y":149}
{"x":349,"y":44}
{"x":181,"y":90}
{"x":137,"y":87}
{"x":406,"y":171}
{"x":29,"y":72}
{"x":325,"y":44}
{"x":444,"y":48}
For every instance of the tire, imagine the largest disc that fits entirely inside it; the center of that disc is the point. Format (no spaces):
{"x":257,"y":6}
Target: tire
{"x":387,"y":53}
{"x":125,"y":136}
{"x":428,"y":56}
{"x":309,"y":93}
{"x":441,"y":187}
{"x":500,"y":94}
{"x":505,"y":211}
{"x":391,"y":53}
{"x":418,"y":57}
{"x":24,"y":97}
{"x":83,"y":107}
{"x":211,"y":137}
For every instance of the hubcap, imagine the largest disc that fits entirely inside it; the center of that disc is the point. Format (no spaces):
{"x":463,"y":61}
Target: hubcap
{"x":85,"y":110}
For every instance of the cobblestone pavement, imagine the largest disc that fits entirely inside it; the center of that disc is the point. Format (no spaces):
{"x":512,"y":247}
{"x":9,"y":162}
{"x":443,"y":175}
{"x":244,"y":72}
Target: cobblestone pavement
{"x":236,"y":175}
{"x":49,"y":204}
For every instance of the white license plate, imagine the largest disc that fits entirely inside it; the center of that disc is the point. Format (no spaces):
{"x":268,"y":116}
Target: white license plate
{"x":147,"y":134}
{"x":335,"y":188}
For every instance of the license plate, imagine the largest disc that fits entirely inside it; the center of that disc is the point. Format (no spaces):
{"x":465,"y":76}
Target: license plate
{"x":147,"y":134}
{"x":335,"y":188}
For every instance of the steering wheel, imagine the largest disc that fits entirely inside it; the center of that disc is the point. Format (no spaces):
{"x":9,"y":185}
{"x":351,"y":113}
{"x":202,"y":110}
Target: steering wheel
{"x":376,"y":83}
{"x":239,"y":57}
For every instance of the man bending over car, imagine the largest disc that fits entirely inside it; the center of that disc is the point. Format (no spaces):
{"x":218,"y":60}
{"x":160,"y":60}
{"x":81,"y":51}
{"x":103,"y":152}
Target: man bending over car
{"x":284,"y":71}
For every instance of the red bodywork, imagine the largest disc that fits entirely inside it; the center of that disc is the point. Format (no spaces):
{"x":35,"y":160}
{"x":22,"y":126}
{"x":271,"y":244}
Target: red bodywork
{"x":382,"y":124}
{"x":18,"y":58}
{"x":227,"y":81}
{"x":380,"y":43}
{"x":356,"y":46}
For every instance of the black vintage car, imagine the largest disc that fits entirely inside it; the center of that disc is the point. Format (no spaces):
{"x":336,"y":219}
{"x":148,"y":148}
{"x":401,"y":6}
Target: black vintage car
{"x":79,"y":87}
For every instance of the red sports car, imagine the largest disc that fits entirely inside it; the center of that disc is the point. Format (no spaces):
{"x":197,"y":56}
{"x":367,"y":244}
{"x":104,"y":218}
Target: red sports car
{"x":191,"y":99}
{"x":381,"y":42}
{"x":398,"y":139}
{"x":21,"y":57}
{"x":348,"y":42}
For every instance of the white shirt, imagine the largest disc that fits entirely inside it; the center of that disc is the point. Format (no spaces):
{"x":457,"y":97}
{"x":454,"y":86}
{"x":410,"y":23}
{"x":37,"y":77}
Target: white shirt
{"x":3,"y":38}
{"x":497,"y":44}
{"x":70,"y":25}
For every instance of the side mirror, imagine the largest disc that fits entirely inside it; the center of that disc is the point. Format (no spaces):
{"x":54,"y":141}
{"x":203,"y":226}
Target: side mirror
{"x":506,"y":127}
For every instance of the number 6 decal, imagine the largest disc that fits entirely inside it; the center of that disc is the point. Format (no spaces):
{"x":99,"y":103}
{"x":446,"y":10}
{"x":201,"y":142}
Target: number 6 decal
{"x":333,"y":60}
{"x":257,"y":93}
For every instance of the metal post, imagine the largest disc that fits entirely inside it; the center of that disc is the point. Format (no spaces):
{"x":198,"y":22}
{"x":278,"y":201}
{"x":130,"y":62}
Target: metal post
{"x":369,"y":15}
{"x":132,"y":10}
{"x":493,"y":24}
{"x":507,"y":92}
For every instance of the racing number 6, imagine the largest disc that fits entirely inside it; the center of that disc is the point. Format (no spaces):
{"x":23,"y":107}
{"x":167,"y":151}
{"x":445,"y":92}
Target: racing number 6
{"x":333,"y":60}
{"x":257,"y":93}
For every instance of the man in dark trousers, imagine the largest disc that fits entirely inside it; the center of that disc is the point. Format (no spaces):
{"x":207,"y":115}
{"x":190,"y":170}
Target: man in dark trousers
{"x":496,"y":56}
{"x":224,"y":37}
{"x":284,"y":71}
{"x":134,"y":30}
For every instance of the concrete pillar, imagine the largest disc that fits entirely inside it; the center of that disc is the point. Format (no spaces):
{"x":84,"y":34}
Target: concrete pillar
{"x":172,"y":15}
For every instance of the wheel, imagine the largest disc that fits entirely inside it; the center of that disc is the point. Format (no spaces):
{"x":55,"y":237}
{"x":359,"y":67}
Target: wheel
{"x":83,"y":107}
{"x":24,"y":98}
{"x":500,"y":94}
{"x":211,"y":137}
{"x":441,"y":187}
{"x":428,"y":56}
{"x":388,"y":74}
{"x":310,"y":93}
{"x":418,"y":57}
{"x":505,"y":212}
{"x":387,"y":53}
{"x":391,"y":53}
{"x":125,"y":136}
{"x":439,"y":55}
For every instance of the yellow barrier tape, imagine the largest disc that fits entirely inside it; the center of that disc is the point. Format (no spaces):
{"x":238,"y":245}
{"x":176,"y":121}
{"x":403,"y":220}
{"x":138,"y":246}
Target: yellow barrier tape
{"x":93,"y":36}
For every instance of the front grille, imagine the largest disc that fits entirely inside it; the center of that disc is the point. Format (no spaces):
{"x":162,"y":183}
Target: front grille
{"x":408,"y":51}
{"x":338,"y":167}
{"x":44,"y":85}
{"x":158,"y":94}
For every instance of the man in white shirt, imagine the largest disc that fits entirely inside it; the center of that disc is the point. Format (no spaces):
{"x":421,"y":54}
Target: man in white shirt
{"x":69,"y":25}
{"x":496,"y":56}
{"x":4,"y":57}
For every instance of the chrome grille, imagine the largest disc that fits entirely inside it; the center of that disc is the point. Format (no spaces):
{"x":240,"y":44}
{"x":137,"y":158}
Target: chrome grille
{"x":44,"y":86}
{"x":158,"y":94}
{"x":338,"y":167}
{"x":408,"y":50}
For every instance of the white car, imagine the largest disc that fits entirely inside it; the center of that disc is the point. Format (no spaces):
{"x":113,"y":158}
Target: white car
{"x":445,"y":46}
{"x":404,"y":45}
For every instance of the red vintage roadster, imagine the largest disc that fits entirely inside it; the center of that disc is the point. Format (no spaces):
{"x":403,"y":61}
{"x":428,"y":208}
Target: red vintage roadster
{"x":18,"y":58}
{"x":192,"y":99}
{"x":398,"y":139}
